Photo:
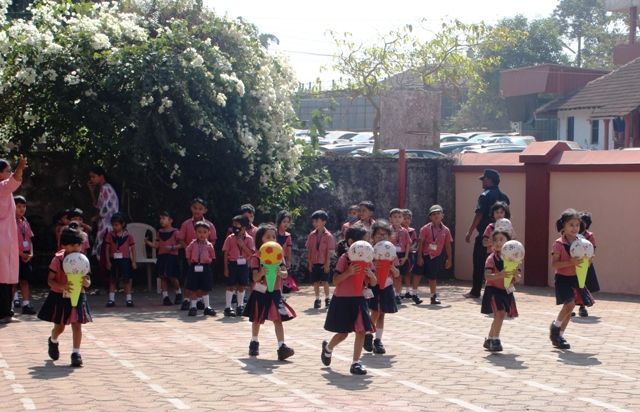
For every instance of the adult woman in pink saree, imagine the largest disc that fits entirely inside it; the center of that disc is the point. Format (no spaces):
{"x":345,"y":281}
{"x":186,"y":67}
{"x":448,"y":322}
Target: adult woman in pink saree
{"x":107,"y":204}
{"x":9,"y":255}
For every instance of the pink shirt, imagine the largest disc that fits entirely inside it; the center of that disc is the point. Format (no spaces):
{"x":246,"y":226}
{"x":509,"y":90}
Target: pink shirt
{"x":363,"y":223}
{"x":287,"y":239}
{"x":24,"y":235}
{"x":412,"y":234}
{"x":120,"y":244}
{"x":559,"y":249}
{"x":490,"y":264}
{"x":254,"y":264}
{"x":188,"y":231}
{"x":202,"y":253}
{"x":430,"y":234}
{"x":232,"y":250}
{"x":401,"y":239}
{"x":9,"y":252}
{"x":590,"y":237}
{"x":168,"y":239}
{"x":347,"y":288}
{"x":253,"y":229}
{"x":56,"y":267}
{"x":319,"y":246}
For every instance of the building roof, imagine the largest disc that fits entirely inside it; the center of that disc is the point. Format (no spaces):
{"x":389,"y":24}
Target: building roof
{"x":553,"y":79}
{"x":614,"y":94}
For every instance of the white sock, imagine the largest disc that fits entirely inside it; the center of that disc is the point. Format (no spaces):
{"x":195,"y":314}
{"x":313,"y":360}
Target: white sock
{"x":205,"y":300}
{"x":76,"y":350}
{"x":200,"y":299}
{"x":54,"y":340}
{"x":241,"y":298}
{"x":556,"y":323}
{"x":414,"y":292}
{"x":112,"y":295}
{"x":561,"y":332}
{"x":318,"y":296}
{"x":129,"y":297}
{"x":193,"y":304}
{"x":379,"y":334}
{"x":165,"y":294}
{"x":228,"y":296}
{"x":16,"y":296}
{"x":280,"y":343}
{"x":179,"y":291}
{"x":254,"y":339}
{"x":25,"y":302}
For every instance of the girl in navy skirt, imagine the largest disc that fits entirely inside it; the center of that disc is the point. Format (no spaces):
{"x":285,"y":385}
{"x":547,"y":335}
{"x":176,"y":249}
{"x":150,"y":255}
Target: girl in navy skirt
{"x":383,"y":300}
{"x":262,"y":304}
{"x":348,"y":309}
{"x":568,"y":293}
{"x":168,"y":265}
{"x":592,"y":278}
{"x":496,"y":299}
{"x":57,"y":308}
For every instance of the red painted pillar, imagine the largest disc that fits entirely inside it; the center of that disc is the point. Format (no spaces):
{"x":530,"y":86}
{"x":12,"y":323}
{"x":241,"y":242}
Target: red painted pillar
{"x":606,"y":134}
{"x":402,"y":177}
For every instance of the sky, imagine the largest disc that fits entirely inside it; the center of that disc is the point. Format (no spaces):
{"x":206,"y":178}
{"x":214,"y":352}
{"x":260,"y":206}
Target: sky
{"x":302,"y":26}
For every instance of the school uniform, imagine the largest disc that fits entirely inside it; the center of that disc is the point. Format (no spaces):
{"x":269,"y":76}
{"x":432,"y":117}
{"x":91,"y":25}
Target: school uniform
{"x":237,"y":262}
{"x":384,"y":296}
{"x":57,"y":308}
{"x":592,"y":278}
{"x":188,"y":231}
{"x":200,"y":255}
{"x":496,"y":297}
{"x":566,"y":281}
{"x":318,"y":246}
{"x":348,"y":310}
{"x":413,"y":235}
{"x":264,"y":305}
{"x":401,"y":240}
{"x":120,"y":249}
{"x":433,"y":240}
{"x":25,"y":245}
{"x":488,"y":232}
{"x":167,"y":263}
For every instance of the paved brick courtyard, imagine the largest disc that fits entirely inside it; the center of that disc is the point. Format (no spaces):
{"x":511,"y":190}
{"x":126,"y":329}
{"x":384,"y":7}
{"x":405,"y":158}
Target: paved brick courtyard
{"x":151,"y":358}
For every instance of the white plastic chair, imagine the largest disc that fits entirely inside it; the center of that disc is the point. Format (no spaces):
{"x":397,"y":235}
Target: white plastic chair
{"x":139,"y":231}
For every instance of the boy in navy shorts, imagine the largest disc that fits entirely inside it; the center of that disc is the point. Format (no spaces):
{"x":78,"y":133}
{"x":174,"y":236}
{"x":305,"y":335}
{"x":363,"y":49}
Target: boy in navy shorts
{"x":320,"y":247}
{"x":238,"y":248}
{"x":121,"y":259}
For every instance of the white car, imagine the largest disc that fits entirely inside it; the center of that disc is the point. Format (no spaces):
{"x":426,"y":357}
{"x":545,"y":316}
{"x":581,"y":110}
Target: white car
{"x":336,"y":136}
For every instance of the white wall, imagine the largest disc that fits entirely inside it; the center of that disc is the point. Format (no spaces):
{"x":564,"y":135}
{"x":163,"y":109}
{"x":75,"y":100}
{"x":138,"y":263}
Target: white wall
{"x":582,"y":129}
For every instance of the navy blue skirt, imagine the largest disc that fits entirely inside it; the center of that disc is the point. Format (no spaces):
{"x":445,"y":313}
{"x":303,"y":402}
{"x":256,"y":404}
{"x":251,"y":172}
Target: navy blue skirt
{"x":348,"y":314}
{"x":592,"y":280}
{"x":567,"y":291}
{"x":57,"y":309}
{"x":268,"y":306}
{"x":496,"y":299}
{"x":383,"y":300}
{"x":168,"y":265}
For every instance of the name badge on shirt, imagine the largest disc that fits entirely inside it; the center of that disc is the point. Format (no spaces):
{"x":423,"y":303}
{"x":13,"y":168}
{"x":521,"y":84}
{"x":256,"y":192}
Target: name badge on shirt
{"x":241,"y":261}
{"x":118,"y":256}
{"x":398,"y":249}
{"x":433,"y":246}
{"x":259,"y":287}
{"x":25,"y":244}
{"x":198,"y":268}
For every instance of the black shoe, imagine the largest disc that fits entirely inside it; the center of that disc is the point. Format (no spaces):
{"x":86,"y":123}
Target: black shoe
{"x":76,"y":360}
{"x":368,"y":342}
{"x":54,"y":352}
{"x":193,"y":311}
{"x":416,"y":299}
{"x":254,"y":348}
{"x":554,"y":332}
{"x":185,"y":305}
{"x":495,"y":345}
{"x":471,"y":296}
{"x":358,"y":369}
{"x":583,"y":311}
{"x":17,"y":304}
{"x":228,"y":312}
{"x":28,"y":310}
{"x":167,"y":301}
{"x":239,"y":310}
{"x":317,"y":304}
{"x":129,"y":303}
{"x":327,"y":302}
{"x":435,"y":300}
{"x":378,"y":347}
{"x":487,"y":343}
{"x":234,"y":299}
{"x":284,"y":352}
{"x":573,"y":314}
{"x":178,"y":300}
{"x":208,"y":311}
{"x":200,"y":305}
{"x":245,"y":300}
{"x":407,"y":295}
{"x":111,"y":303}
{"x":326,"y":360}
{"x":398,"y":300}
{"x":561,"y":343}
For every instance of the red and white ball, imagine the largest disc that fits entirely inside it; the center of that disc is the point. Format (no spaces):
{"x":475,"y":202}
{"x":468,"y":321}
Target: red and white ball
{"x":384,"y":250}
{"x":361,"y":251}
{"x":503,"y":225}
{"x":513,"y":251}
{"x":581,"y":248}
{"x":76,"y":263}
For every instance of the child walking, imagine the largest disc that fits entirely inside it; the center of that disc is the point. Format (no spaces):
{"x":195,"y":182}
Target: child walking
{"x":568,"y":293}
{"x":238,"y":248}
{"x":264,"y":305}
{"x":592,"y":278}
{"x":121,"y":259}
{"x":200,"y":254}
{"x":348,"y":310}
{"x":402,"y":241}
{"x":283,"y":221}
{"x":499,"y":210}
{"x":320,"y":247}
{"x":57,"y":308}
{"x":25,"y":247}
{"x":167,"y":264}
{"x":384,"y":296}
{"x":434,"y":251}
{"x":497,"y":300}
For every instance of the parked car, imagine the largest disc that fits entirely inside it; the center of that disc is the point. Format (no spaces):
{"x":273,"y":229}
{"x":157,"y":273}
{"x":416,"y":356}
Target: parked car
{"x":495,"y":148}
{"x":452,"y":138}
{"x":336,"y":136}
{"x":364,"y":137}
{"x":517,"y":140}
{"x":395,"y":153}
{"x":342,"y":148}
{"x":453,"y":147}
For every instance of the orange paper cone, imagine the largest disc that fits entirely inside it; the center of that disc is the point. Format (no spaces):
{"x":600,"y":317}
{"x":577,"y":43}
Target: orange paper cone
{"x":383,"y":267}
{"x":358,"y":276}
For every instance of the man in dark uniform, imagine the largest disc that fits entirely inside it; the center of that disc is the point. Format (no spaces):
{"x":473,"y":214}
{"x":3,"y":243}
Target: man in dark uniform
{"x":491,"y":194}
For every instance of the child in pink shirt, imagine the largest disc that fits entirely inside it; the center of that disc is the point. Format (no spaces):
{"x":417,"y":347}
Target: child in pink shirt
{"x":499,"y":210}
{"x":121,"y":259}
{"x":200,"y":254}
{"x":237,"y":249}
{"x":25,"y":246}
{"x":167,"y":264}
{"x":402,"y":241}
{"x":320,"y":247}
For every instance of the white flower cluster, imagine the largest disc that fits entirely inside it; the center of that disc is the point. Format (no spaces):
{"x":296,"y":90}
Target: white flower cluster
{"x":165,"y":104}
{"x":146,"y":101}
{"x":72,"y":78}
{"x":100,"y":41}
{"x":193,"y":58}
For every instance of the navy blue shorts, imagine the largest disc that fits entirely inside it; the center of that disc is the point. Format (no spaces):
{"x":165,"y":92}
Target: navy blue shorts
{"x":26,"y":271}
{"x":318,"y":275}
{"x":238,"y":275}
{"x":199,"y":280}
{"x":121,"y":269}
{"x":404,"y":269}
{"x":432,"y":268}
{"x":168,"y":266}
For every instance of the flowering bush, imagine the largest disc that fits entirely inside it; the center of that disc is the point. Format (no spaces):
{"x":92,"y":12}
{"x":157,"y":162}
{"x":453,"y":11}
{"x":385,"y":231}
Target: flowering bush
{"x":174,"y":99}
